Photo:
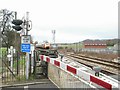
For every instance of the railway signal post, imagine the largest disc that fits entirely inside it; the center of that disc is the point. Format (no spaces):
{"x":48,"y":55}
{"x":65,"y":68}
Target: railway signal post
{"x":25,"y":39}
{"x":27,"y":53}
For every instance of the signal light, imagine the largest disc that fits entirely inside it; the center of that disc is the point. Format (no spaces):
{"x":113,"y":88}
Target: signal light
{"x":17,"y":27}
{"x":17,"y":24}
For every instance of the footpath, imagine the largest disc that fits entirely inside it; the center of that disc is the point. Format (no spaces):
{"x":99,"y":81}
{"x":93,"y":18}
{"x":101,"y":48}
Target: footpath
{"x":40,"y":83}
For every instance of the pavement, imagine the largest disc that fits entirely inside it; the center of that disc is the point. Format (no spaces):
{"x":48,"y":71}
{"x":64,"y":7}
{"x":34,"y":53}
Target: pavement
{"x":31,"y":85}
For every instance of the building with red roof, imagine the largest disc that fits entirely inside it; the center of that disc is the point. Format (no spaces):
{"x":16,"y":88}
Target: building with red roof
{"x":94,"y":46}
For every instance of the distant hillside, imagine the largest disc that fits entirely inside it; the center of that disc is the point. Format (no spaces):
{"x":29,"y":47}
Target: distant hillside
{"x":109,"y":42}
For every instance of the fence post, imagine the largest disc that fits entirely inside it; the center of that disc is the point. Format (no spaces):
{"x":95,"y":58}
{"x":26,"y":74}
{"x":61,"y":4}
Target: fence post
{"x":30,"y":65}
{"x":34,"y":64}
{"x":17,"y":63}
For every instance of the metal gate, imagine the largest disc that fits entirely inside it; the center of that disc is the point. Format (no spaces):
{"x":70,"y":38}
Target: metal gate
{"x":15,"y":71}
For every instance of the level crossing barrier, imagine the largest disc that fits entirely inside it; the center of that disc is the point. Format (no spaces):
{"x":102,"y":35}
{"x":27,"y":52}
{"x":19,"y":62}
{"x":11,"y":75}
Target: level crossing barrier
{"x":88,"y":77}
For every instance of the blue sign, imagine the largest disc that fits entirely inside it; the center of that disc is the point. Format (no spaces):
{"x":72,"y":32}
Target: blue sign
{"x":25,"y":47}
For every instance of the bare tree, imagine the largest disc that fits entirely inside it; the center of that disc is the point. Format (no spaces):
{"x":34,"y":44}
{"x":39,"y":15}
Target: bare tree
{"x":7,"y":33}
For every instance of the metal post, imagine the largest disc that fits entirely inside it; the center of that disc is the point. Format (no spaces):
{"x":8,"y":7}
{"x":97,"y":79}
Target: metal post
{"x":27,"y":54}
{"x":53,"y":32}
{"x":27,"y":19}
{"x":1,"y":64}
{"x":15,"y":15}
{"x":15,"y":32}
{"x":78,"y":47}
{"x":34,"y":67}
{"x":27,"y":65}
{"x":9,"y":58}
{"x":30,"y":65}
{"x":75,"y":48}
{"x":17,"y":63}
{"x":11,"y":50}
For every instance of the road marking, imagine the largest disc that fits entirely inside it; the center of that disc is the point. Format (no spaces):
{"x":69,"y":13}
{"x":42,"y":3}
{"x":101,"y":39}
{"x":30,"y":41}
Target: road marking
{"x":25,"y":87}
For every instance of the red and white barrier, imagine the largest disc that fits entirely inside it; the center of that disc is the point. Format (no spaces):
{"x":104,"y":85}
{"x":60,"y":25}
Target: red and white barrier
{"x":84,"y":75}
{"x":100,"y":82}
{"x":80,"y":73}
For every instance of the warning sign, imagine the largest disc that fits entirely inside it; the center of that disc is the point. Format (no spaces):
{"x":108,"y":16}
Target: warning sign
{"x":25,"y":43}
{"x":25,"y":39}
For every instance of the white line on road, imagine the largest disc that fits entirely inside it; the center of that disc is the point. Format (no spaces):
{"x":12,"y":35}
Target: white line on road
{"x":25,"y":87}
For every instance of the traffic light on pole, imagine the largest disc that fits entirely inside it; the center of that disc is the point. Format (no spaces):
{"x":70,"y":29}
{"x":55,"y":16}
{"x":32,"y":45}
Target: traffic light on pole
{"x":17,"y":24}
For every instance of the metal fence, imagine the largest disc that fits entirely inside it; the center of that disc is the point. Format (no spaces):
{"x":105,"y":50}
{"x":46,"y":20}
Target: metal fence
{"x":12,"y":70}
{"x":13,"y":67}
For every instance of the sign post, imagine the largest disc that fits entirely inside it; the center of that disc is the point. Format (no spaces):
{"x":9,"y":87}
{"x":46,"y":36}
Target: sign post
{"x":26,"y":47}
{"x":25,"y":43}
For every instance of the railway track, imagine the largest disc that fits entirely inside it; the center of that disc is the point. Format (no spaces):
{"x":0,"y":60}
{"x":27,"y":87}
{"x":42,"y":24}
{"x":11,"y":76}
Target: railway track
{"x":106,"y":66}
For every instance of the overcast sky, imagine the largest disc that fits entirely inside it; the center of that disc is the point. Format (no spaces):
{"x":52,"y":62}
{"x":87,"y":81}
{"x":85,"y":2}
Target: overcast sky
{"x":73,"y":20}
